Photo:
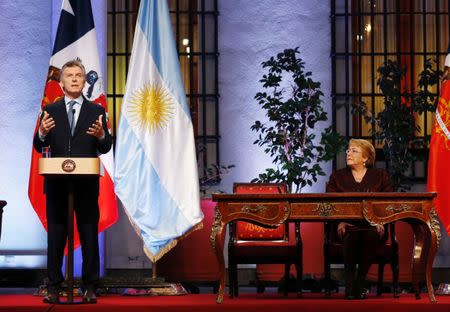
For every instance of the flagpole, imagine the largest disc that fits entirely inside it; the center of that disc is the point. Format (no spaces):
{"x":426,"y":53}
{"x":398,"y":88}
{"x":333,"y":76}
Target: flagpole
{"x":154,"y":273}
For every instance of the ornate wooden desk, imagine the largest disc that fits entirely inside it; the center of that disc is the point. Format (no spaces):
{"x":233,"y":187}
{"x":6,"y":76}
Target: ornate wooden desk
{"x":377,"y":208}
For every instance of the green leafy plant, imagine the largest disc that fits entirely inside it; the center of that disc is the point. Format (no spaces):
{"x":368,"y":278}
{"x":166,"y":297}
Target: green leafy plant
{"x":395,"y":126}
{"x":293,"y":105}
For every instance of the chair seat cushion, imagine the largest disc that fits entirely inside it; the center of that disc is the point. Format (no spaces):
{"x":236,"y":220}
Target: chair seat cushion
{"x":249,"y":231}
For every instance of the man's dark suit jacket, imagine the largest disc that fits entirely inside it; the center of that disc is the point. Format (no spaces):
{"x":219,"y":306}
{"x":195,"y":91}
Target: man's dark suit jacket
{"x":82,"y":144}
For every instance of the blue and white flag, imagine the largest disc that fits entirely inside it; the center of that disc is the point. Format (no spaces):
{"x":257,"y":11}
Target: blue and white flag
{"x":156,"y":174}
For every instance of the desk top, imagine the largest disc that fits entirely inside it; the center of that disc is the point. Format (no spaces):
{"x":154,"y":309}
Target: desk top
{"x":313,"y":196}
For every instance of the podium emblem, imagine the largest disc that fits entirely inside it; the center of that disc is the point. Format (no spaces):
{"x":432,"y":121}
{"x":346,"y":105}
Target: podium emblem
{"x":68,"y":165}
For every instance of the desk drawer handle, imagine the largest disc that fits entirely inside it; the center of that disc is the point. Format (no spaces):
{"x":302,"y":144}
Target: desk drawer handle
{"x":253,"y":209}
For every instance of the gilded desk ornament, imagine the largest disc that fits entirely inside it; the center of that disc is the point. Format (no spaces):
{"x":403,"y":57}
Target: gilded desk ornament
{"x":435,"y":227}
{"x":216,"y":227}
{"x":325,"y":209}
{"x":368,"y":216}
{"x":398,"y":208}
{"x":287,"y":211}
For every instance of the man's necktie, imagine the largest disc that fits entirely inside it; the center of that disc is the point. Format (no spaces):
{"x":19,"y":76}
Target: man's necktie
{"x":71,"y":116}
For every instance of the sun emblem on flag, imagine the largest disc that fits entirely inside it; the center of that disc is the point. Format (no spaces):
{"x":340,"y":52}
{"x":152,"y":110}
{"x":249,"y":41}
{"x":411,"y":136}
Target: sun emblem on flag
{"x":151,"y":107}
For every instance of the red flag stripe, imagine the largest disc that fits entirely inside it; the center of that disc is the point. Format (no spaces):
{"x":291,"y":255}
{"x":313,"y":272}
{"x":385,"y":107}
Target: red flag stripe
{"x":438,"y":164}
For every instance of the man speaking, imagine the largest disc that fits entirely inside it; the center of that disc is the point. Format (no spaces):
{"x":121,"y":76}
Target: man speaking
{"x":73,"y":127}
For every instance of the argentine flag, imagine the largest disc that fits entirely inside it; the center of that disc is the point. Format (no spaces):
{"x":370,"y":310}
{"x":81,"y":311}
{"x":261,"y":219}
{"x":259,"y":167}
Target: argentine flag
{"x":156,"y":175}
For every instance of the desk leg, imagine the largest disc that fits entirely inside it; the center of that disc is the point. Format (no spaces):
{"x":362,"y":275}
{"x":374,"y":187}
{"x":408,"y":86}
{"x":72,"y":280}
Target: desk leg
{"x":425,"y":248}
{"x":217,"y":244}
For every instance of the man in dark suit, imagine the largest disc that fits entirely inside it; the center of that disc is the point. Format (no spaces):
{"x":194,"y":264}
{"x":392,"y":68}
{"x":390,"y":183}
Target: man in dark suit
{"x":73,"y":127}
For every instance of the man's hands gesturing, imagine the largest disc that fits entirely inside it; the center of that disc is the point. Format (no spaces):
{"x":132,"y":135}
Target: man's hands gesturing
{"x":96,"y":129}
{"x":47,"y":124}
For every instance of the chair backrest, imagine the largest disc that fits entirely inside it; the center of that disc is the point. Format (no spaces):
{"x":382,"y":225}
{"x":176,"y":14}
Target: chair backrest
{"x":245,"y":231}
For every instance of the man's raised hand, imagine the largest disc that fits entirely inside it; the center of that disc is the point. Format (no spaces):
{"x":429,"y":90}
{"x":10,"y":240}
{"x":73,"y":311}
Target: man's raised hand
{"x":96,"y":129}
{"x":47,"y":124}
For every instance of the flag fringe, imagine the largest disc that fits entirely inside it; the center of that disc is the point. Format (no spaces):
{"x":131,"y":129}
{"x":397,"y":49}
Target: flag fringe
{"x":168,"y":247}
{"x":155,"y":257}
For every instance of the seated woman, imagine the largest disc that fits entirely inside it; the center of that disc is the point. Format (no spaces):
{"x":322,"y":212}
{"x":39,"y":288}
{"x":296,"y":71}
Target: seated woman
{"x":360,"y":239}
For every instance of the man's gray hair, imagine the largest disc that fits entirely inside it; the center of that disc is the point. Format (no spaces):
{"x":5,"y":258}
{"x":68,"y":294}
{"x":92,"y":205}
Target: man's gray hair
{"x":72,"y":63}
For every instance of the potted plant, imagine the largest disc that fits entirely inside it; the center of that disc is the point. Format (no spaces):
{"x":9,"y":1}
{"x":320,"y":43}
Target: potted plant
{"x":395,"y":126}
{"x":293,"y":105}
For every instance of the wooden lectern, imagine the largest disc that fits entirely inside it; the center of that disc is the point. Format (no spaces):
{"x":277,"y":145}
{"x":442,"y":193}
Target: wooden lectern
{"x":59,"y":166}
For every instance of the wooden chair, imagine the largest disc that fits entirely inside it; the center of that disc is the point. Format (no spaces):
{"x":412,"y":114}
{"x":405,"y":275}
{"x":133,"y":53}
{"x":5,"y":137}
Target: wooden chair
{"x":2,"y":204}
{"x":252,"y":244}
{"x":386,"y":253}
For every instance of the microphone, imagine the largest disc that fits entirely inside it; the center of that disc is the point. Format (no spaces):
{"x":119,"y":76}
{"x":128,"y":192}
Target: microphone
{"x":71,"y":126}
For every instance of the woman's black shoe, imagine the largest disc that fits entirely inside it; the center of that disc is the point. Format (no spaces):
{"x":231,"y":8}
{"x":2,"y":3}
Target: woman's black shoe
{"x":357,"y":294}
{"x":362,"y":294}
{"x":349,"y":296}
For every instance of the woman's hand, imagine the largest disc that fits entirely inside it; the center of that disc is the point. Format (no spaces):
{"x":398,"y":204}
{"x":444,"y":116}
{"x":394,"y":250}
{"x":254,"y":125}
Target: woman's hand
{"x":380,"y":230}
{"x":341,"y":229}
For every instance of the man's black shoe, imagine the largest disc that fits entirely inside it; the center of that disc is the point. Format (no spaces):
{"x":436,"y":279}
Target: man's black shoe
{"x":52,"y":297}
{"x":89,"y":296}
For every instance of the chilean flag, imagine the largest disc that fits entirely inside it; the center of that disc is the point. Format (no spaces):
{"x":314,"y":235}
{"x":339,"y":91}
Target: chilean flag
{"x":76,"y":39}
{"x":438,"y":163}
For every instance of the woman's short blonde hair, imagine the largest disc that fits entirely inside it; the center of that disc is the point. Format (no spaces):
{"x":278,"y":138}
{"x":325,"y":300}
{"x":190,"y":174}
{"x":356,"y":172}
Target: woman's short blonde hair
{"x":367,"y":150}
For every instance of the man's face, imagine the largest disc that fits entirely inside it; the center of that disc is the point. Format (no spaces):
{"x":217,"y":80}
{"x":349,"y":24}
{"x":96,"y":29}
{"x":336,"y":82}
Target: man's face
{"x":73,"y":81}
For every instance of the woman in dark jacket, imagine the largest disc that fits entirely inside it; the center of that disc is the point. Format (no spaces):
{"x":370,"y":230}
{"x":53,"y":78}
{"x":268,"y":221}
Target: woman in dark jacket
{"x":360,"y":239}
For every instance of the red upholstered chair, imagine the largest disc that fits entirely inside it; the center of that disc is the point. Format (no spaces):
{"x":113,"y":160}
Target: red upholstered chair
{"x":2,"y":204}
{"x":252,"y":244}
{"x":387,"y":253}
